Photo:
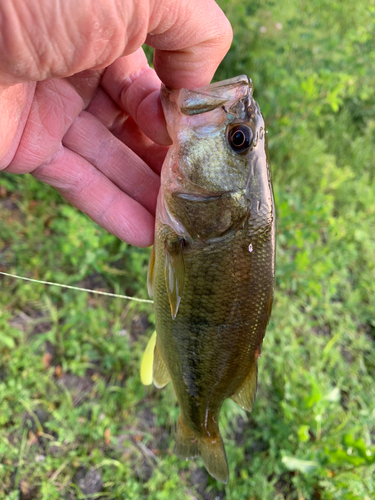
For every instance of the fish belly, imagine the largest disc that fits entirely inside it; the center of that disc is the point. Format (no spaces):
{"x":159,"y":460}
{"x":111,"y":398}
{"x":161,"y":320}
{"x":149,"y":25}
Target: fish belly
{"x":215,"y":339}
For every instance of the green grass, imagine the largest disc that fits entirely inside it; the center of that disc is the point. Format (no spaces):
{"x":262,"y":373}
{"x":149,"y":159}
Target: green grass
{"x":70,"y":395}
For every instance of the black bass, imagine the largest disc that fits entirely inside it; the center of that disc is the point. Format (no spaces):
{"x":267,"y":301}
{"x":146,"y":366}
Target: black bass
{"x":211,"y":270}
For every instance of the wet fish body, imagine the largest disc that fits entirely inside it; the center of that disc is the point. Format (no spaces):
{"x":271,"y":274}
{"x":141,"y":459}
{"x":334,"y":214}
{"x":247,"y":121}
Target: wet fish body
{"x":211,"y":270}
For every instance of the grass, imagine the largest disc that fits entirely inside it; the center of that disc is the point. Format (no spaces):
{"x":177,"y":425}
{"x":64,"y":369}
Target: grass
{"x":72,"y":405}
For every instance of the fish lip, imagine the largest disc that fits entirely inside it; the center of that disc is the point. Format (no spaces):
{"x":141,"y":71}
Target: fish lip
{"x":209,"y":97}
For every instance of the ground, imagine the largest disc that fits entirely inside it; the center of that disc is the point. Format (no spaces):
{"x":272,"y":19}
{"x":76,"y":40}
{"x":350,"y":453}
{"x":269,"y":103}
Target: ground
{"x":76,"y":422}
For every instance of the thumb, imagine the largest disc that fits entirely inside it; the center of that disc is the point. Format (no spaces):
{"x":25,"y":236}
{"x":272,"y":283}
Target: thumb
{"x":41,"y":39}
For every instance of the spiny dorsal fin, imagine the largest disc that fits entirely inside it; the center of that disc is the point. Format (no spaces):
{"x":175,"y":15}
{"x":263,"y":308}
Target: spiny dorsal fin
{"x":160,"y":371}
{"x":174,"y":274}
{"x":245,"y":396}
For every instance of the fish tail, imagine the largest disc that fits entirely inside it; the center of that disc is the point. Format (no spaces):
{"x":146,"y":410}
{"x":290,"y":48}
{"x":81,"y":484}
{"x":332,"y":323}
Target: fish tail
{"x":211,"y":450}
{"x":186,"y":440}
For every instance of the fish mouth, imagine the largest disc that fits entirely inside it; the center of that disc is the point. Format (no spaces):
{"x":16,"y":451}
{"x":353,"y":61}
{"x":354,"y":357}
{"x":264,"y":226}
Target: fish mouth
{"x":220,"y":94}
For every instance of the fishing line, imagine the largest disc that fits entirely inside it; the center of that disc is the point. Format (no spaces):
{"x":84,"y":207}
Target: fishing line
{"x":97,"y":292}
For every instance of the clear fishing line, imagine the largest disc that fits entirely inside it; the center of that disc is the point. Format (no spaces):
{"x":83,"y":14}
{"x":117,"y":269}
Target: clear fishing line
{"x":87,"y":290}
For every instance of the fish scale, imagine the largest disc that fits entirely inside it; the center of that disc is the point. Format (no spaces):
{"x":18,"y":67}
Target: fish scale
{"x":212,"y":267}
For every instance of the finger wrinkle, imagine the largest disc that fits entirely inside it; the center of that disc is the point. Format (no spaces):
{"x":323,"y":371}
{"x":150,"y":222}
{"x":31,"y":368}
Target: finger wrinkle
{"x":106,"y":110}
{"x":120,"y":75}
{"x":106,"y":206}
{"x":86,"y":84}
{"x":67,"y":180}
{"x":89,"y":138}
{"x":123,"y":127}
{"x":135,"y":88}
{"x":164,"y":15}
{"x":143,"y":84}
{"x":121,"y":222}
{"x":17,"y":48}
{"x":41,"y":39}
{"x":54,"y":107}
{"x":125,"y":224}
{"x":94,"y":194}
{"x":146,"y":192}
{"x":150,"y":115}
{"x":13,"y":122}
{"x":62,"y":98}
{"x":188,"y":53}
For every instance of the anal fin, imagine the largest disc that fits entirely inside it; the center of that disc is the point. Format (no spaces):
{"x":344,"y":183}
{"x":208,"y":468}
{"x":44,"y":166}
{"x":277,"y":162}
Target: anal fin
{"x":160,"y":371}
{"x":245,"y":395}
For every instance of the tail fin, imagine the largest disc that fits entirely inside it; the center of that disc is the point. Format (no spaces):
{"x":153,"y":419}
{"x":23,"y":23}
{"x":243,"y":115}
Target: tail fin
{"x":211,"y":450}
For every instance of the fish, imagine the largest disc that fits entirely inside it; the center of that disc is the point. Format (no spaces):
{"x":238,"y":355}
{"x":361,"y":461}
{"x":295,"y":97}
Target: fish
{"x":211,"y":269}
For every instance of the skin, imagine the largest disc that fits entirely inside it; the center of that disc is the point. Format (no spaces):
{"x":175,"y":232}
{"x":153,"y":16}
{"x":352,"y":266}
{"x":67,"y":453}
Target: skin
{"x":80,"y":107}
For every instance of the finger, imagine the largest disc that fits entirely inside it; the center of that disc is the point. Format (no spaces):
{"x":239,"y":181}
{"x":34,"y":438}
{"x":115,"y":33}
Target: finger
{"x":90,"y":139}
{"x":135,"y":87}
{"x":54,"y":107}
{"x":94,"y":194}
{"x":45,"y":39}
{"x":190,"y":37}
{"x":13,"y":118}
{"x":86,"y":83}
{"x":122,"y":126}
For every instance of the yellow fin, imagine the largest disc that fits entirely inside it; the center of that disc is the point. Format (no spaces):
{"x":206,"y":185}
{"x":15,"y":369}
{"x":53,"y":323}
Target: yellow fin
{"x":147,"y":361}
{"x":186,"y":440}
{"x":174,"y":274}
{"x":150,"y":273}
{"x":214,"y":458}
{"x":160,"y":371}
{"x":245,"y":396}
{"x":210,"y":449}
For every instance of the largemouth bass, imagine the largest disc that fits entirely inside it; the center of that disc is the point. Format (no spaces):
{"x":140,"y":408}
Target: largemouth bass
{"x":211,"y":269}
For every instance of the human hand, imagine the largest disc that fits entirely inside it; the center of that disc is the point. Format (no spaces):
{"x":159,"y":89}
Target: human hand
{"x":80,"y":107}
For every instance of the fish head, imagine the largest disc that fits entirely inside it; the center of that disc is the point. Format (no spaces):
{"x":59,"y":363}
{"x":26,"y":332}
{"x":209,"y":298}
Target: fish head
{"x":219,"y":144}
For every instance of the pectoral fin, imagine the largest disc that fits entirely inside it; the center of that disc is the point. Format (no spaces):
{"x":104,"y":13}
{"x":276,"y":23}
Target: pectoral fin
{"x":150,"y":273}
{"x":147,"y":361}
{"x":245,"y":396}
{"x":174,"y":274}
{"x":160,"y":371}
{"x":152,"y":365}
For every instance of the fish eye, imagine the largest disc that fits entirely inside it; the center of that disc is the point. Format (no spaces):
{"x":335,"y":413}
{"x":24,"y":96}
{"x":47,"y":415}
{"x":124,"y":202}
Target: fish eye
{"x":240,"y":138}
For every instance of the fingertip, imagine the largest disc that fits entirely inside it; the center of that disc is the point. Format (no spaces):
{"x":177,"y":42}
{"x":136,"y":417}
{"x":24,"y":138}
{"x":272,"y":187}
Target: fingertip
{"x":142,"y":100}
{"x":135,"y":87}
{"x":128,"y":229}
{"x":189,"y":51}
{"x":156,"y":128}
